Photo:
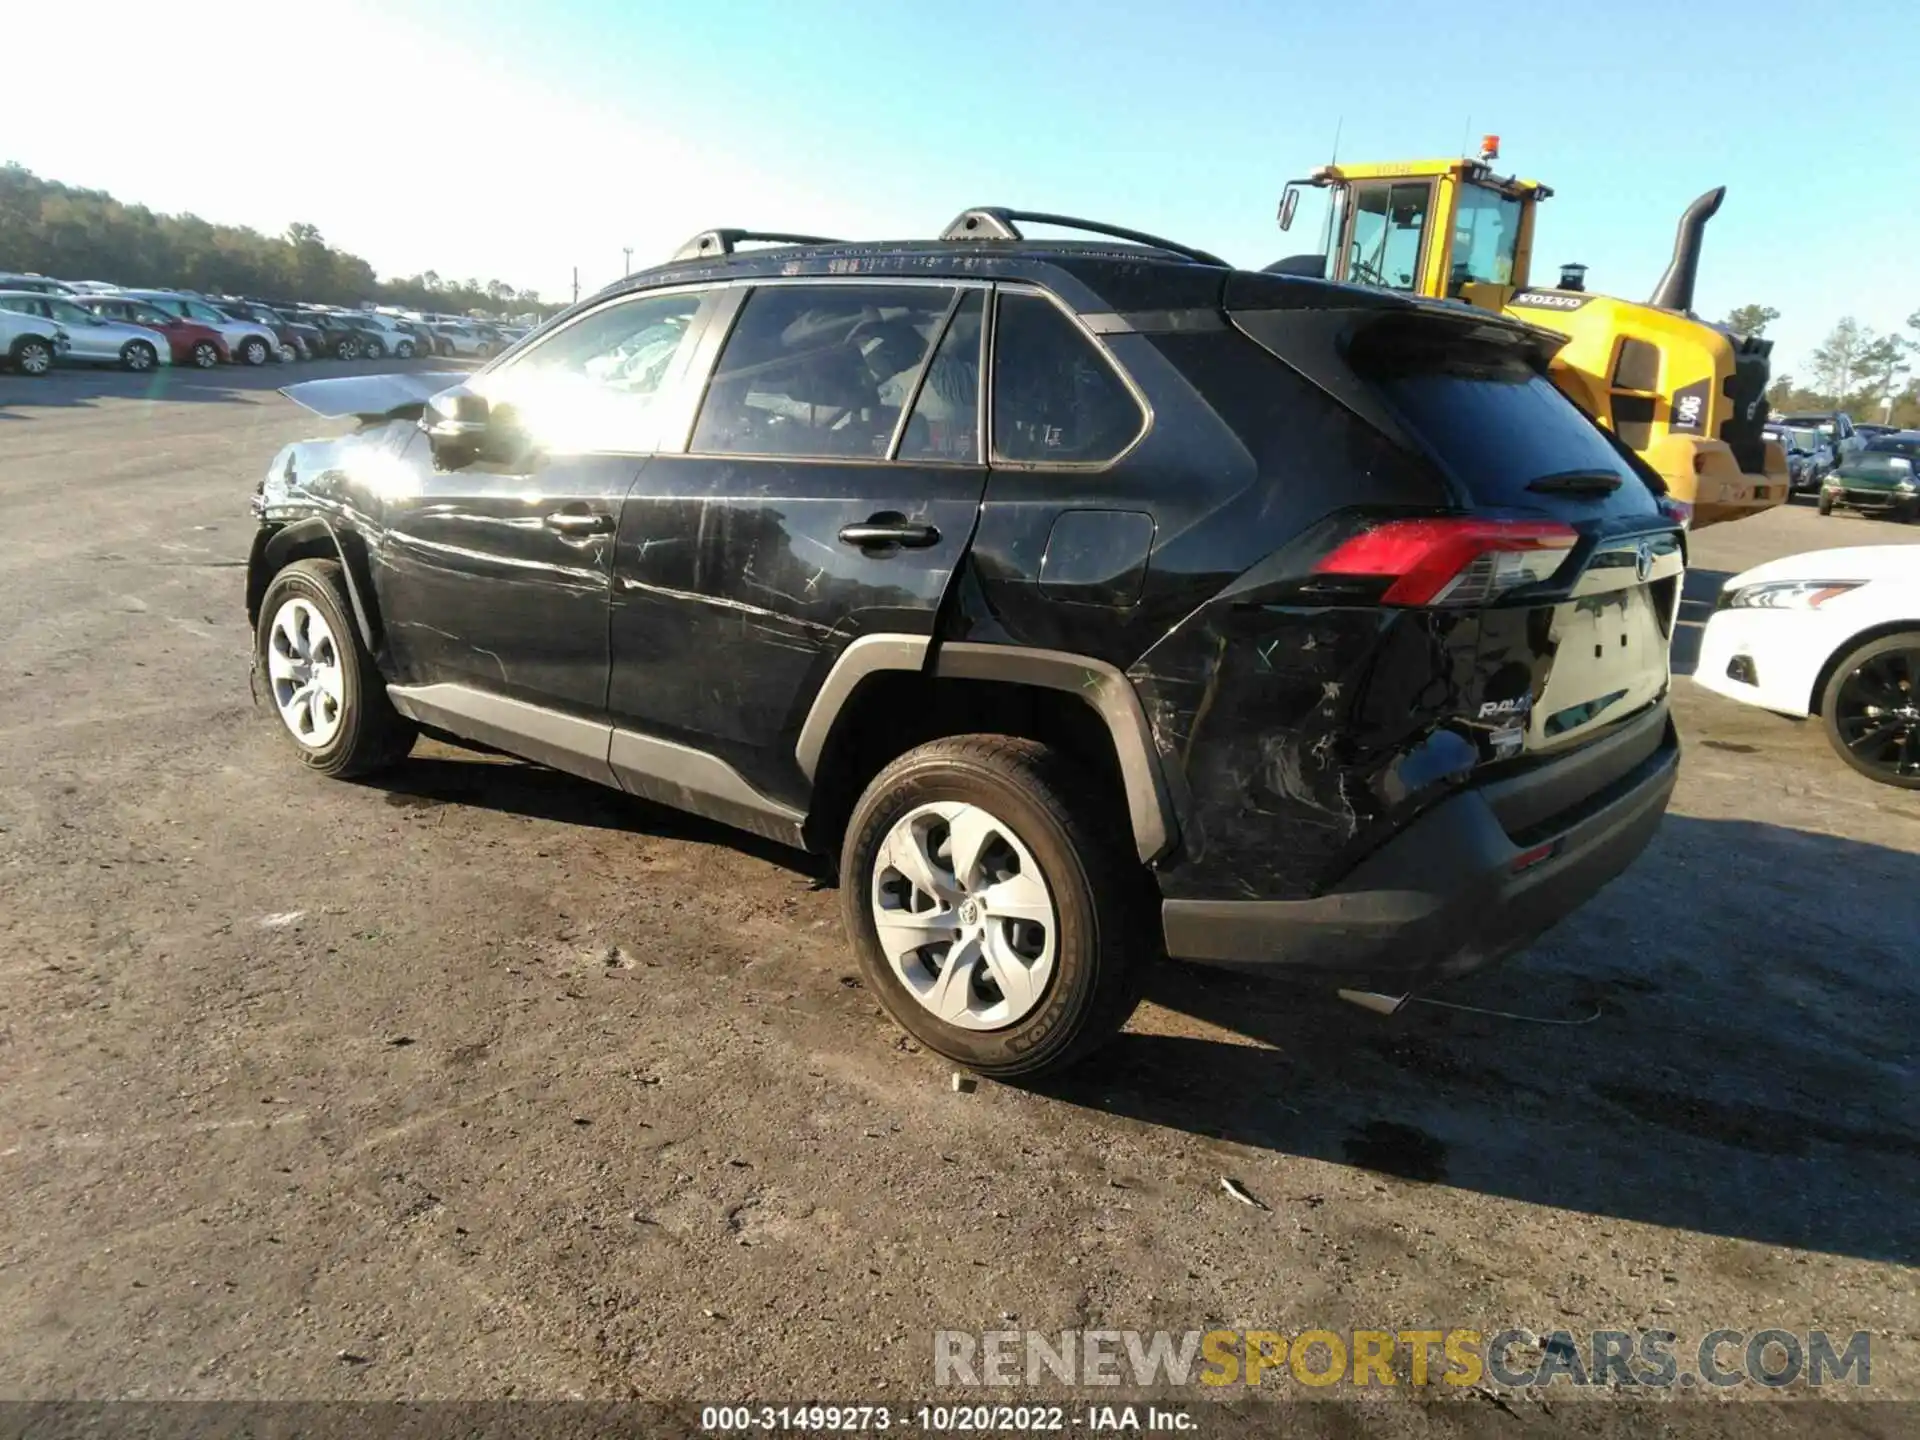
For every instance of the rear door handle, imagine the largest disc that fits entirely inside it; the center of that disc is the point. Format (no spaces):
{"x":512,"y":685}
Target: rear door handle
{"x":876,"y":532}
{"x":578,"y":524}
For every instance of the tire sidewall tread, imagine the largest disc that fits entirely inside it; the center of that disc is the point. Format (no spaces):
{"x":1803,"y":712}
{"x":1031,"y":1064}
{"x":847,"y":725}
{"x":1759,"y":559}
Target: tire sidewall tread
{"x":372,"y":735}
{"x":1830,"y":703}
{"x":1099,"y":958}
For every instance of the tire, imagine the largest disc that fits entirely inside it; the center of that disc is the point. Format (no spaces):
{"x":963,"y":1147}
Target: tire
{"x":206,"y":354}
{"x":305,"y":635}
{"x":373,"y":350}
{"x":444,"y":349}
{"x":1826,"y":505}
{"x":1880,"y":676}
{"x":286,"y":354}
{"x":1042,"y":818}
{"x":403,"y":350}
{"x":138,"y":356}
{"x":254,"y":350}
{"x":32,"y":356}
{"x":347,"y":350}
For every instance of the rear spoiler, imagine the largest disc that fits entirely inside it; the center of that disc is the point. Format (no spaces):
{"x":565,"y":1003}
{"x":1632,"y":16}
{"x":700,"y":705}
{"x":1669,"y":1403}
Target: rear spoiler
{"x":373,"y":397}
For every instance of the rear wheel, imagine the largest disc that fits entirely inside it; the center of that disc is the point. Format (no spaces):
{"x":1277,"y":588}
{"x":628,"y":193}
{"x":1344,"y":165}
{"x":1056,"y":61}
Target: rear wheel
{"x":206,"y":354}
{"x":324,"y":686}
{"x":1826,"y":505}
{"x":138,"y":355}
{"x":995,"y":910}
{"x":403,"y":351}
{"x":1871,"y":708}
{"x":286,"y":354}
{"x":32,"y":355}
{"x":373,"y":349}
{"x":254,"y":350}
{"x":348,"y":349}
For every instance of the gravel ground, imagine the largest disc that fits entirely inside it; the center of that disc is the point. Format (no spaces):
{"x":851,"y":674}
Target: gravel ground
{"x":482,"y":1082}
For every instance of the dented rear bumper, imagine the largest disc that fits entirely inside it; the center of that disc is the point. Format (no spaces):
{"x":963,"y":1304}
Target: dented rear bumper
{"x":1453,"y":892}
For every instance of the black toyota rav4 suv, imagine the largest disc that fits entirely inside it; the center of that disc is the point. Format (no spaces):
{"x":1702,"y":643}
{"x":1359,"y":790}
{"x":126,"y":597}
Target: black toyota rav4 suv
{"x":1091,"y":600}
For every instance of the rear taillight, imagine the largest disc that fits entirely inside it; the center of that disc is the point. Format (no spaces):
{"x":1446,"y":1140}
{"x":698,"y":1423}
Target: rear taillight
{"x":1678,"y":511}
{"x":1453,"y":562}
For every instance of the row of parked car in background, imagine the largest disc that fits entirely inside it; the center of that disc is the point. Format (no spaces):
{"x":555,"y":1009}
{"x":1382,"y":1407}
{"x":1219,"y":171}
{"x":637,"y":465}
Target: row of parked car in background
{"x":1849,"y":465}
{"x":45,"y":322}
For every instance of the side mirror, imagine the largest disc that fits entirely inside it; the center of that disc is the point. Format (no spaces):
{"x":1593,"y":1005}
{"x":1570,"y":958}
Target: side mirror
{"x":1289,"y":202}
{"x":457,"y":423}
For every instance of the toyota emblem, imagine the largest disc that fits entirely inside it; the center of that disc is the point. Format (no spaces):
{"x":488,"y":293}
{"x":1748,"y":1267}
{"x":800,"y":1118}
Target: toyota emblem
{"x":1643,"y":560}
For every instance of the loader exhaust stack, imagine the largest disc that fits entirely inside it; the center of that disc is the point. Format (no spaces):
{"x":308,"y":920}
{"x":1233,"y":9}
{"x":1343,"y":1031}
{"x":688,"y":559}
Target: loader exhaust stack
{"x":1675,"y":290}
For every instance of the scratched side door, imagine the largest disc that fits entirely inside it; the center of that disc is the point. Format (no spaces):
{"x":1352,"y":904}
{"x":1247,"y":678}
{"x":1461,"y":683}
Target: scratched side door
{"x":828,"y":489}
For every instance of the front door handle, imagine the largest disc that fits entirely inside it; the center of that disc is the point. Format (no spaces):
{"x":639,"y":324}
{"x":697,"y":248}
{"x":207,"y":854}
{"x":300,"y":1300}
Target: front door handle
{"x":578,"y":524}
{"x":889,"y":530}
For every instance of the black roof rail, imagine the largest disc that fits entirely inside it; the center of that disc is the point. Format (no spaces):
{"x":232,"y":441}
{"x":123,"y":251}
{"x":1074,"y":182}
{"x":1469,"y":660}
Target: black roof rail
{"x":996,"y":222}
{"x":725,"y":242}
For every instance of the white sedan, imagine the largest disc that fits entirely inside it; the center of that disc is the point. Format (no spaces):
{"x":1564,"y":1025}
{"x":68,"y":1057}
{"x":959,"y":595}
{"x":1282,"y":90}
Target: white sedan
{"x":1833,"y":633}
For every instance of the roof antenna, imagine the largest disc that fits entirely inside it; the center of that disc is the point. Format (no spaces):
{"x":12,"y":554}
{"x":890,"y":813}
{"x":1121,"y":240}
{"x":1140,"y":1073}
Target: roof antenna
{"x":1466,"y":135}
{"x":1334,"y":159}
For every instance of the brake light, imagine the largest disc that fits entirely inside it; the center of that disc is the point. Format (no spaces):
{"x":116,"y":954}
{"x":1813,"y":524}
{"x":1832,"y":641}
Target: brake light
{"x":1678,"y":511}
{"x":1453,"y":562}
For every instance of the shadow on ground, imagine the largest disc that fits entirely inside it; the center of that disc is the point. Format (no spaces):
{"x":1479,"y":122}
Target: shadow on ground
{"x":517,"y":787}
{"x":1768,"y":1096}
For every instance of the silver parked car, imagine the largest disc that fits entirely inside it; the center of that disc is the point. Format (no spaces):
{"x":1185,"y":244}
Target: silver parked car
{"x":93,"y":337}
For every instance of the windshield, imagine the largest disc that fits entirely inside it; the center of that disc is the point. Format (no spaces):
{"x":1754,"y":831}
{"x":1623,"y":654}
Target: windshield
{"x":1486,"y":230}
{"x":1804,"y":442}
{"x":1895,"y":445}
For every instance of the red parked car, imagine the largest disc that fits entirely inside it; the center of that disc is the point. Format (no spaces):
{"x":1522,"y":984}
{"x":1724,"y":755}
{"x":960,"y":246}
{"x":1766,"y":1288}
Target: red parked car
{"x":191,"y":342}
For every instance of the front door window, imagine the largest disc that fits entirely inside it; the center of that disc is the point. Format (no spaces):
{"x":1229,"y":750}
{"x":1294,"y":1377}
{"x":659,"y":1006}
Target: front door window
{"x":1383,"y":238}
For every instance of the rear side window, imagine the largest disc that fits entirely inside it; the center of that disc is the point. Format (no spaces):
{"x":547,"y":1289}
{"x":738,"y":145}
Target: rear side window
{"x":819,"y":371}
{"x":1056,"y":398}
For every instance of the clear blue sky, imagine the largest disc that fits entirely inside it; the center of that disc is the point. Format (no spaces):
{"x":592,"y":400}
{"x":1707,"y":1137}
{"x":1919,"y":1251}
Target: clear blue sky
{"x":561,"y":133}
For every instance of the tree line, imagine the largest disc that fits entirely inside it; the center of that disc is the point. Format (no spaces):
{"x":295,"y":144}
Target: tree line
{"x":76,"y":234}
{"x":1854,"y":369}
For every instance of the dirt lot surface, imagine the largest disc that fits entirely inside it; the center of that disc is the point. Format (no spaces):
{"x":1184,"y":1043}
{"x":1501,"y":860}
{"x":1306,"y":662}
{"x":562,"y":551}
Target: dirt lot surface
{"x":483,"y":1082}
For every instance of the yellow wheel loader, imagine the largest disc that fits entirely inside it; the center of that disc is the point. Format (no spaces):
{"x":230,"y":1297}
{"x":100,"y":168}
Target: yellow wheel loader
{"x":1689,"y":397}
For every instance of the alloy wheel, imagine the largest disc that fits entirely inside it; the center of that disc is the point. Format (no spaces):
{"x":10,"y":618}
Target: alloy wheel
{"x":304,"y":665}
{"x":1877,"y":713}
{"x":139,"y":356}
{"x":964,"y":915}
{"x":205,"y":356}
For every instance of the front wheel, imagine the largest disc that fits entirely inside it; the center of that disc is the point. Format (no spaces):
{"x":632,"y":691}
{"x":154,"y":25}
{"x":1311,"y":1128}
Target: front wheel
{"x":286,"y":354}
{"x":373,"y":350}
{"x":403,"y":351}
{"x":138,"y":356}
{"x":32,"y":356}
{"x":1871,"y":709}
{"x":348,"y":350}
{"x":1826,"y":505}
{"x":996,"y":912}
{"x":323,"y":684}
{"x":254,"y":350}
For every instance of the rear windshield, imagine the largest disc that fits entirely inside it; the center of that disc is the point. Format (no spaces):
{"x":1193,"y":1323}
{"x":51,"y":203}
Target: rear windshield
{"x":1508,"y":435}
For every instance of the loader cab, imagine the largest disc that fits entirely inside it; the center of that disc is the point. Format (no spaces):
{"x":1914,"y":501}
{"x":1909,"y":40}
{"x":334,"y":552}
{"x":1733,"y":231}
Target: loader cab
{"x":1446,"y":229}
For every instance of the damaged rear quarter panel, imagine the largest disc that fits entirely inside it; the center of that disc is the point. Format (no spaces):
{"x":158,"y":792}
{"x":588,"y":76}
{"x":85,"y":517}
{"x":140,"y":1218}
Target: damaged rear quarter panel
{"x":1305,"y":737}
